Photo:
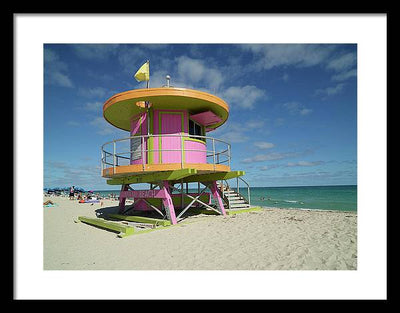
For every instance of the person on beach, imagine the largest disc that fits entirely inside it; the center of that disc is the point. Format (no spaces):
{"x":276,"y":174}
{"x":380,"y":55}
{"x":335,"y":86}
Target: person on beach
{"x":72,"y":193}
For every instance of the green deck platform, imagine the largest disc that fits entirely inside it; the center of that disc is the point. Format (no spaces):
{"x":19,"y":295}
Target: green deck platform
{"x":186,"y":175}
{"x":123,"y":230}
{"x":153,"y":177}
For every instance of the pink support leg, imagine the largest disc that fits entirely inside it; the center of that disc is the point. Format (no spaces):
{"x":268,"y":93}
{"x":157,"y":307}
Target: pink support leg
{"x":168,"y":204}
{"x":122,"y":198}
{"x":217,"y":198}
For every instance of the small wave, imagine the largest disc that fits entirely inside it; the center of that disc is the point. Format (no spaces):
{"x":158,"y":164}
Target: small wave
{"x":294,"y":201}
{"x":279,"y":200}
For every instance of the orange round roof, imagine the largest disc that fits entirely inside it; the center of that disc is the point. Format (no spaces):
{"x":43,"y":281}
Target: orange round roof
{"x":119,"y":109}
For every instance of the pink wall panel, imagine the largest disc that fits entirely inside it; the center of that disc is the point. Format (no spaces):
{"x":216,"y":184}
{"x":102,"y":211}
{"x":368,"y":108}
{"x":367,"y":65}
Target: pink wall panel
{"x":171,"y":124}
{"x":168,"y":122}
{"x":195,"y":156}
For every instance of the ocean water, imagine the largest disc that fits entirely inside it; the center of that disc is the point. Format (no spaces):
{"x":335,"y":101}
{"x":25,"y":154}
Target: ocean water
{"x":341,"y":198}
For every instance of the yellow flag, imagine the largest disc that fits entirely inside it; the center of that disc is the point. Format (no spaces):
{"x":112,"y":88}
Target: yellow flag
{"x":143,"y":73}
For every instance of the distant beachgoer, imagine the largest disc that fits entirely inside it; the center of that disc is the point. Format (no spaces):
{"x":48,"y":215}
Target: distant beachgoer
{"x":72,"y":193}
{"x":48,"y":202}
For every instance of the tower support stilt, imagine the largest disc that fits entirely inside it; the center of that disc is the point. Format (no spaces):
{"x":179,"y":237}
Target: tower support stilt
{"x":217,"y":197}
{"x":122,"y":198}
{"x":168,"y":204}
{"x":165,"y":195}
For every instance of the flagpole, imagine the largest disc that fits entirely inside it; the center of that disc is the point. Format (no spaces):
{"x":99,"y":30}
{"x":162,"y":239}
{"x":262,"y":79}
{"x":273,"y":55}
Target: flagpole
{"x":148,"y":82}
{"x":147,"y":110}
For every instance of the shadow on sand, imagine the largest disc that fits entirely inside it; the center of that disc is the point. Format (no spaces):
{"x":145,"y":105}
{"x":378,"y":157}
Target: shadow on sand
{"x":104,"y":213}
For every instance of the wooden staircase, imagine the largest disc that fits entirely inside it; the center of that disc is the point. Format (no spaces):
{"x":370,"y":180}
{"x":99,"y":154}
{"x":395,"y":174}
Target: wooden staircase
{"x":233,"y":200}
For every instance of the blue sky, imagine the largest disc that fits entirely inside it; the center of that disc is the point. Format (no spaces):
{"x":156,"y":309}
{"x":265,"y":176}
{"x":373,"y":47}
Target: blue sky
{"x":293,"y":107}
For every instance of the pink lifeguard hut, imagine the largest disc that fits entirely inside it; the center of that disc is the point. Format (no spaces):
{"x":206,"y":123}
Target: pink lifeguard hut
{"x":168,"y":147}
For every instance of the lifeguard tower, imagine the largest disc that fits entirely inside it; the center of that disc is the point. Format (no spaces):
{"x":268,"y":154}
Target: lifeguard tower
{"x":168,"y":147}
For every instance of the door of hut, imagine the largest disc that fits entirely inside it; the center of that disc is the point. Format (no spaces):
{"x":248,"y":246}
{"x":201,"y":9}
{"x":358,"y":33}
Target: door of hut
{"x":171,"y":124}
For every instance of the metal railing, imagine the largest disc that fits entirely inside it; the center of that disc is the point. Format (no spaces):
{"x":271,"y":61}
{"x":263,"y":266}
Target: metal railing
{"x":123,"y":151}
{"x":226,"y":186}
{"x":247,"y":187}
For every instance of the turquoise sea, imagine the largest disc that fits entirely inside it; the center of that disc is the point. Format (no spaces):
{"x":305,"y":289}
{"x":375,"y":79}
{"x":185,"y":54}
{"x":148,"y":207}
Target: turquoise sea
{"x":341,"y":198}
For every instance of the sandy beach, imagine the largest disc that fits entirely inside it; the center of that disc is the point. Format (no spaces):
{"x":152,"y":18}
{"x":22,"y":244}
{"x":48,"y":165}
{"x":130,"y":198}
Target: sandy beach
{"x":270,"y":239}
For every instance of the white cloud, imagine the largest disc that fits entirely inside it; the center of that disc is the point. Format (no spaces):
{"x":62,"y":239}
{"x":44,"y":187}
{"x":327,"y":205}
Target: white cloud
{"x":103,"y":127}
{"x":330,"y":91}
{"x":253,"y":124}
{"x":304,"y":163}
{"x":73,"y":123}
{"x":264,"y":145}
{"x":55,"y":71}
{"x":269,"y":157}
{"x":231,"y":132}
{"x":305,"y":111}
{"x":343,"y":66}
{"x":94,"y":106}
{"x":60,"y":79}
{"x":131,"y":58}
{"x":275,"y":156}
{"x":97,"y":93}
{"x":190,"y":69}
{"x":234,"y":137}
{"x":269,"y":167}
{"x":63,"y":174}
{"x":95,"y":51}
{"x":299,"y":55}
{"x":199,"y":74}
{"x":279,"y":121}
{"x":243,"y":97}
{"x":296,"y":108}
{"x":344,"y":75}
{"x":196,"y":71}
{"x":269,"y":56}
{"x":343,"y":62}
